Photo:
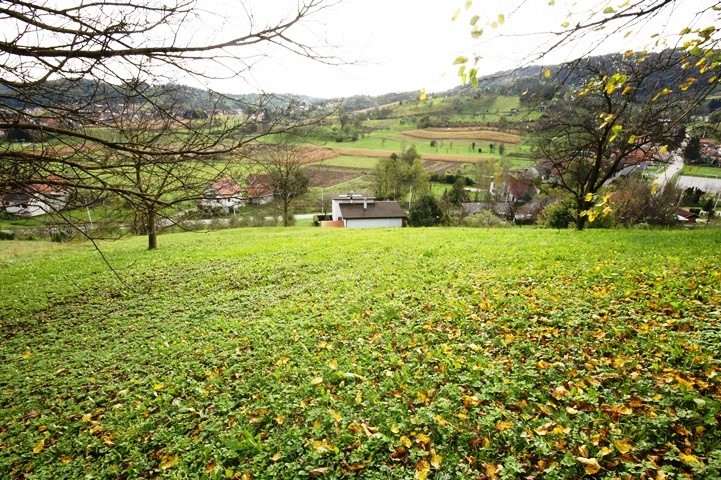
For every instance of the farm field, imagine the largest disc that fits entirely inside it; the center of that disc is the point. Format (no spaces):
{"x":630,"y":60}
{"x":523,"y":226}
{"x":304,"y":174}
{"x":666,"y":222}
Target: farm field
{"x":701,"y":171}
{"x":410,"y":354}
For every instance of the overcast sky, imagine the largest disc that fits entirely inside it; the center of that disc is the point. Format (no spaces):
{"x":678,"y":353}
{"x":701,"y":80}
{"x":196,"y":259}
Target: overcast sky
{"x":405,"y":45}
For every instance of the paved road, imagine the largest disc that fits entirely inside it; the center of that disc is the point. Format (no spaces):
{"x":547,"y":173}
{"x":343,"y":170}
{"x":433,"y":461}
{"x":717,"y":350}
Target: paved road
{"x":673,"y":169}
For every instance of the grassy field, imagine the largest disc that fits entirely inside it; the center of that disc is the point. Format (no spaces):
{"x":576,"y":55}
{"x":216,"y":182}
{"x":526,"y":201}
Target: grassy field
{"x":409,"y":354}
{"x":701,"y":171}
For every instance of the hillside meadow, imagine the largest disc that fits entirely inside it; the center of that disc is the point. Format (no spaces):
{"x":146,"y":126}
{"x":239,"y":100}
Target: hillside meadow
{"x":386,"y":354}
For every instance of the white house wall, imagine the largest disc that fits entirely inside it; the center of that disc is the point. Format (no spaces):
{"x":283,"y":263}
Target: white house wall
{"x":373,"y":222}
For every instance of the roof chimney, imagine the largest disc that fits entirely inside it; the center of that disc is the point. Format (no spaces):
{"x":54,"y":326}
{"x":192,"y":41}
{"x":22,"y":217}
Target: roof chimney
{"x":365,"y":203}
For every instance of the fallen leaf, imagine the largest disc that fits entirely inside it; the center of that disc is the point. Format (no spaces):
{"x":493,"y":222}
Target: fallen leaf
{"x":436,"y":460}
{"x":590,"y":465}
{"x":39,"y":446}
{"x":623,"y":446}
{"x":422,"y":470}
{"x":318,"y":472}
{"x":316,"y":381}
{"x":503,"y":425}
{"x":168,"y":461}
{"x":689,"y":459}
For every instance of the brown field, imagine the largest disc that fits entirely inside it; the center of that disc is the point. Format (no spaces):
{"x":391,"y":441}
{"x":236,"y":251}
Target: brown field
{"x":323,"y":176}
{"x":439,"y":157}
{"x":487,"y":135}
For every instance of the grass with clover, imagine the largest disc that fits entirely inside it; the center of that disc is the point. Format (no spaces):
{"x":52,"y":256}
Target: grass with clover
{"x":413,"y":353}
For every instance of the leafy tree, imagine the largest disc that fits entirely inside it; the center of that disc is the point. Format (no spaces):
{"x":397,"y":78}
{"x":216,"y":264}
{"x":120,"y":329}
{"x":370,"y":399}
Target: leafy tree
{"x":401,"y":174}
{"x":501,"y":148}
{"x":692,"y":150}
{"x":708,"y":207}
{"x":613,"y":120}
{"x":458,"y":193}
{"x":425,"y":212}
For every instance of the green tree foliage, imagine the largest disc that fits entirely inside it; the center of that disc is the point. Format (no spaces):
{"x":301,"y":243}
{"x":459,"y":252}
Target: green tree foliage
{"x":692,"y":150}
{"x":400,"y":175}
{"x":558,"y":215}
{"x":425,"y":212}
{"x":458,"y":193}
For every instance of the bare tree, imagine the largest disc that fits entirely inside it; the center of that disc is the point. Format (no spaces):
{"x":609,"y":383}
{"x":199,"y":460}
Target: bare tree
{"x":283,"y":165}
{"x":93,"y":87}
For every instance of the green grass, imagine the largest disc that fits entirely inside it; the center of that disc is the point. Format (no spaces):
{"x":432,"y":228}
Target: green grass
{"x":295,"y":353}
{"x":701,"y":171}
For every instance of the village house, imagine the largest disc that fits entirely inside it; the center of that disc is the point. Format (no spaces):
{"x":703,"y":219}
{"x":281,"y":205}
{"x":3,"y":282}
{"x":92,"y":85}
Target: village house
{"x":359,"y":211}
{"x":259,"y":189}
{"x":37,"y":199}
{"x":222,"y":196}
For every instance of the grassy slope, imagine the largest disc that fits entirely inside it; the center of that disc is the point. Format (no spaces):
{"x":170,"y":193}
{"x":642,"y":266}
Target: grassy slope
{"x":288,"y":353}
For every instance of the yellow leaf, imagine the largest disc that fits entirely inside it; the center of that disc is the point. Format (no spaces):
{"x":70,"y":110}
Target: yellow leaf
{"x":316,"y":381}
{"x":547,"y":73}
{"x":503,"y":425}
{"x":689,"y":459}
{"x":27,"y":354}
{"x":406,"y":442}
{"x":565,"y":24}
{"x":276,"y":457}
{"x":590,"y":465}
{"x":605,"y":451}
{"x":158,"y":386}
{"x":65,"y":459}
{"x":663,"y":149}
{"x":436,"y":460}
{"x":456,"y":15}
{"x":623,"y":446}
{"x":422,"y":470}
{"x":323,"y":446}
{"x":588,"y":197}
{"x":39,"y":446}
{"x":335,"y":415}
{"x":423,"y":438}
{"x":422,"y":95}
{"x":168,"y":461}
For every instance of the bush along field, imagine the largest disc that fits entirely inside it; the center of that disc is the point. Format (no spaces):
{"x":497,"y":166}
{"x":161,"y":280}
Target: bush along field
{"x":392,"y":354}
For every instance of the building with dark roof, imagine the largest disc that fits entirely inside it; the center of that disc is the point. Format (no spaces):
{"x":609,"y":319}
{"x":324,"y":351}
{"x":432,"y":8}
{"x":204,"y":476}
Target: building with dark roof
{"x":360,"y":211}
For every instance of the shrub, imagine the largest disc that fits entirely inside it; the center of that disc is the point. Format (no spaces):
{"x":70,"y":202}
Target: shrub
{"x":558,"y":215}
{"x":484,"y":219}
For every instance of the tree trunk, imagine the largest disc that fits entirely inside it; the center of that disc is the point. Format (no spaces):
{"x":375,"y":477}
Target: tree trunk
{"x":286,"y":208}
{"x":152,"y":230}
